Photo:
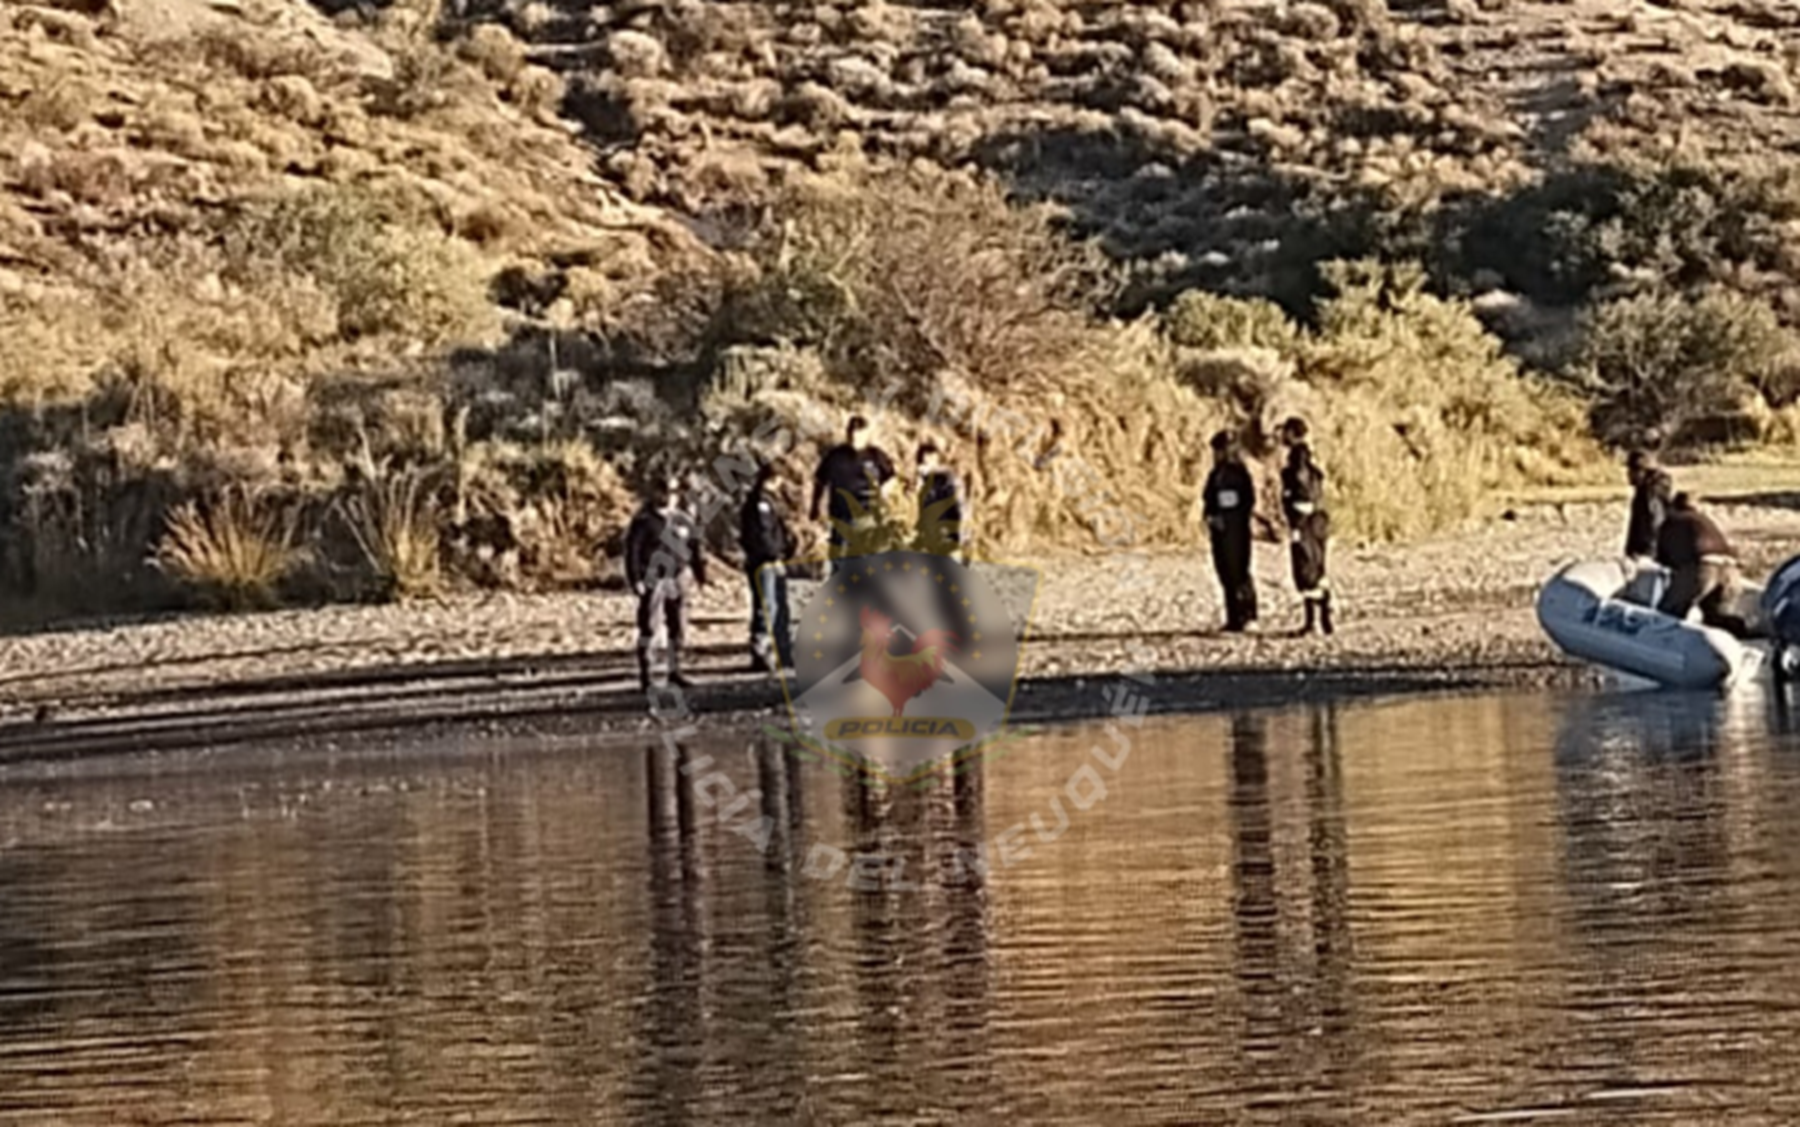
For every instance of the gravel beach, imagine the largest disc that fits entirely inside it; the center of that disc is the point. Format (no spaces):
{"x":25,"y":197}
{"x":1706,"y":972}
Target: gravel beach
{"x":1454,"y":613}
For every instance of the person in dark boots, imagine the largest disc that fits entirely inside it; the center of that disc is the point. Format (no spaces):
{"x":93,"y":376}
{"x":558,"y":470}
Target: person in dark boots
{"x":1650,"y":490}
{"x":1229,"y":503}
{"x":1309,"y":528}
{"x":662,"y":548}
{"x":1702,"y":567}
{"x":768,"y":545}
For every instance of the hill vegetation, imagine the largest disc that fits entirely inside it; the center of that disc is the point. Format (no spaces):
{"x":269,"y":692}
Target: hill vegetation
{"x":313,"y":304}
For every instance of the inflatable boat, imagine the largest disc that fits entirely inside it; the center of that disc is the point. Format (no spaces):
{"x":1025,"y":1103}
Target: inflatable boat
{"x":1604,"y":611}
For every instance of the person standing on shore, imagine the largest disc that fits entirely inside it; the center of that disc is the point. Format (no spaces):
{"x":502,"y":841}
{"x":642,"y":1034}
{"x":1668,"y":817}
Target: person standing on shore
{"x":768,"y":544}
{"x":1309,"y":528}
{"x":1228,"y":503}
{"x":1702,"y":566}
{"x":1650,"y":490}
{"x":853,"y":473}
{"x":662,"y":548}
{"x":940,"y":520}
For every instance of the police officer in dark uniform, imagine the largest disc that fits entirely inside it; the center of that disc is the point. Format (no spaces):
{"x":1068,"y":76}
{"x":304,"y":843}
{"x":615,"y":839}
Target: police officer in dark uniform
{"x":940,"y":518}
{"x":1309,"y":528}
{"x":1650,"y":490}
{"x":855,"y":468}
{"x":662,"y":548}
{"x":1229,"y":503}
{"x":1702,"y":566}
{"x":768,"y":545}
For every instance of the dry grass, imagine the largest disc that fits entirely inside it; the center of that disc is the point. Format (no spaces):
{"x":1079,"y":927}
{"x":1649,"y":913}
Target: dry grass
{"x":235,"y":551}
{"x":397,"y":523}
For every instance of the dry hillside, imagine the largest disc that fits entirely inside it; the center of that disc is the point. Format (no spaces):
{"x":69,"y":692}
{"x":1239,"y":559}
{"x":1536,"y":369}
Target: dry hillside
{"x":344,"y":300}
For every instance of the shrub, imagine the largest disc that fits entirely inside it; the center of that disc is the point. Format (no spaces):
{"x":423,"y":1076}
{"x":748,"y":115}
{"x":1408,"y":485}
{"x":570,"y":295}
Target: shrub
{"x":388,"y":271}
{"x":900,"y":279}
{"x":1198,"y":319}
{"x":1675,"y":226}
{"x":234,"y":552}
{"x":1658,"y":364}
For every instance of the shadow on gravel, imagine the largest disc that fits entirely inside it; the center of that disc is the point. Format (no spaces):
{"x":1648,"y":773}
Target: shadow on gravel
{"x":596,"y":696}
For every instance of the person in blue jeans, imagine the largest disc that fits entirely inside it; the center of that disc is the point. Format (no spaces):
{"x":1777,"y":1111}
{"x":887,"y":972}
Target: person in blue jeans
{"x":768,"y":544}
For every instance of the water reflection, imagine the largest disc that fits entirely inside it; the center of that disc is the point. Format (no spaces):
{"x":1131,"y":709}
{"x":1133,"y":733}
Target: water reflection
{"x":1400,"y":913}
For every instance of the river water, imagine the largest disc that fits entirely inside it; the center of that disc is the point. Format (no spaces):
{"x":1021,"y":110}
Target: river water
{"x":1496,"y":909}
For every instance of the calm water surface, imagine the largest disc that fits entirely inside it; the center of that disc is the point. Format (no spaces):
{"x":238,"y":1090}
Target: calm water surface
{"x":1511,"y":909}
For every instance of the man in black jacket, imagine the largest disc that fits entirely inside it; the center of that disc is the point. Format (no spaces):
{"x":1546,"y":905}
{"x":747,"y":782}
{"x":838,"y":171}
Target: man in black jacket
{"x":1229,"y":503}
{"x":662,"y":548}
{"x":1309,"y":529}
{"x":940,"y":520}
{"x":852,"y":472}
{"x":767,"y":543}
{"x":1702,"y":566}
{"x":1650,"y":489}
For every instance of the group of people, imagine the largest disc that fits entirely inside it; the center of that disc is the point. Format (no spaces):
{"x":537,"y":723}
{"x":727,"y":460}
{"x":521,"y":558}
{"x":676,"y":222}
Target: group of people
{"x":664,"y":560}
{"x":1228,"y":502}
{"x":1669,"y":528}
{"x":851,"y":479}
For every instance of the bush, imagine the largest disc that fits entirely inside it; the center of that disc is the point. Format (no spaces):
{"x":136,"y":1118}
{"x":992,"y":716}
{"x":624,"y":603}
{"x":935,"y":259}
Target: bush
{"x":1677,"y":226}
{"x":900,"y":279}
{"x":1198,"y":319}
{"x":1659,"y":365}
{"x":388,"y":271}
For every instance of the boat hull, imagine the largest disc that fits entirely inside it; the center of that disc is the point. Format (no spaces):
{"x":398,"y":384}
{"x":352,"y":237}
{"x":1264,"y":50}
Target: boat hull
{"x":1603,"y":611}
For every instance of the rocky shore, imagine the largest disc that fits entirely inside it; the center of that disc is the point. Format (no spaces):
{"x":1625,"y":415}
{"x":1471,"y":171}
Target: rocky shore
{"x":1452,"y":614}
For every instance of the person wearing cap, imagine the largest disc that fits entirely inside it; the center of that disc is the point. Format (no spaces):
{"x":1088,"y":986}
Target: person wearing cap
{"x":940,"y":518}
{"x":1229,"y":503}
{"x":1702,"y":566}
{"x":852,"y":473}
{"x":1309,"y":528}
{"x":662,"y":550}
{"x":768,"y":545}
{"x":1650,"y":489}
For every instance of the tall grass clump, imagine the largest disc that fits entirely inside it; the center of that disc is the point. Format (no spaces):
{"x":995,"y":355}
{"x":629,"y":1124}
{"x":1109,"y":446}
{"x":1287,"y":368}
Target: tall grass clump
{"x":234,"y":552}
{"x":396,"y":522}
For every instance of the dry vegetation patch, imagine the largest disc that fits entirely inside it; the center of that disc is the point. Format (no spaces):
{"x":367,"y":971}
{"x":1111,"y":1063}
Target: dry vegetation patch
{"x":365,"y":271}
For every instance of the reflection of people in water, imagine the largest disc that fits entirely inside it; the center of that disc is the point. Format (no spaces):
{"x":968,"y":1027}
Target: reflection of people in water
{"x":1256,"y":909}
{"x":1645,"y":858}
{"x":1285,"y":1041}
{"x":675,"y":1020}
{"x":1329,"y":841}
{"x":781,"y":1055}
